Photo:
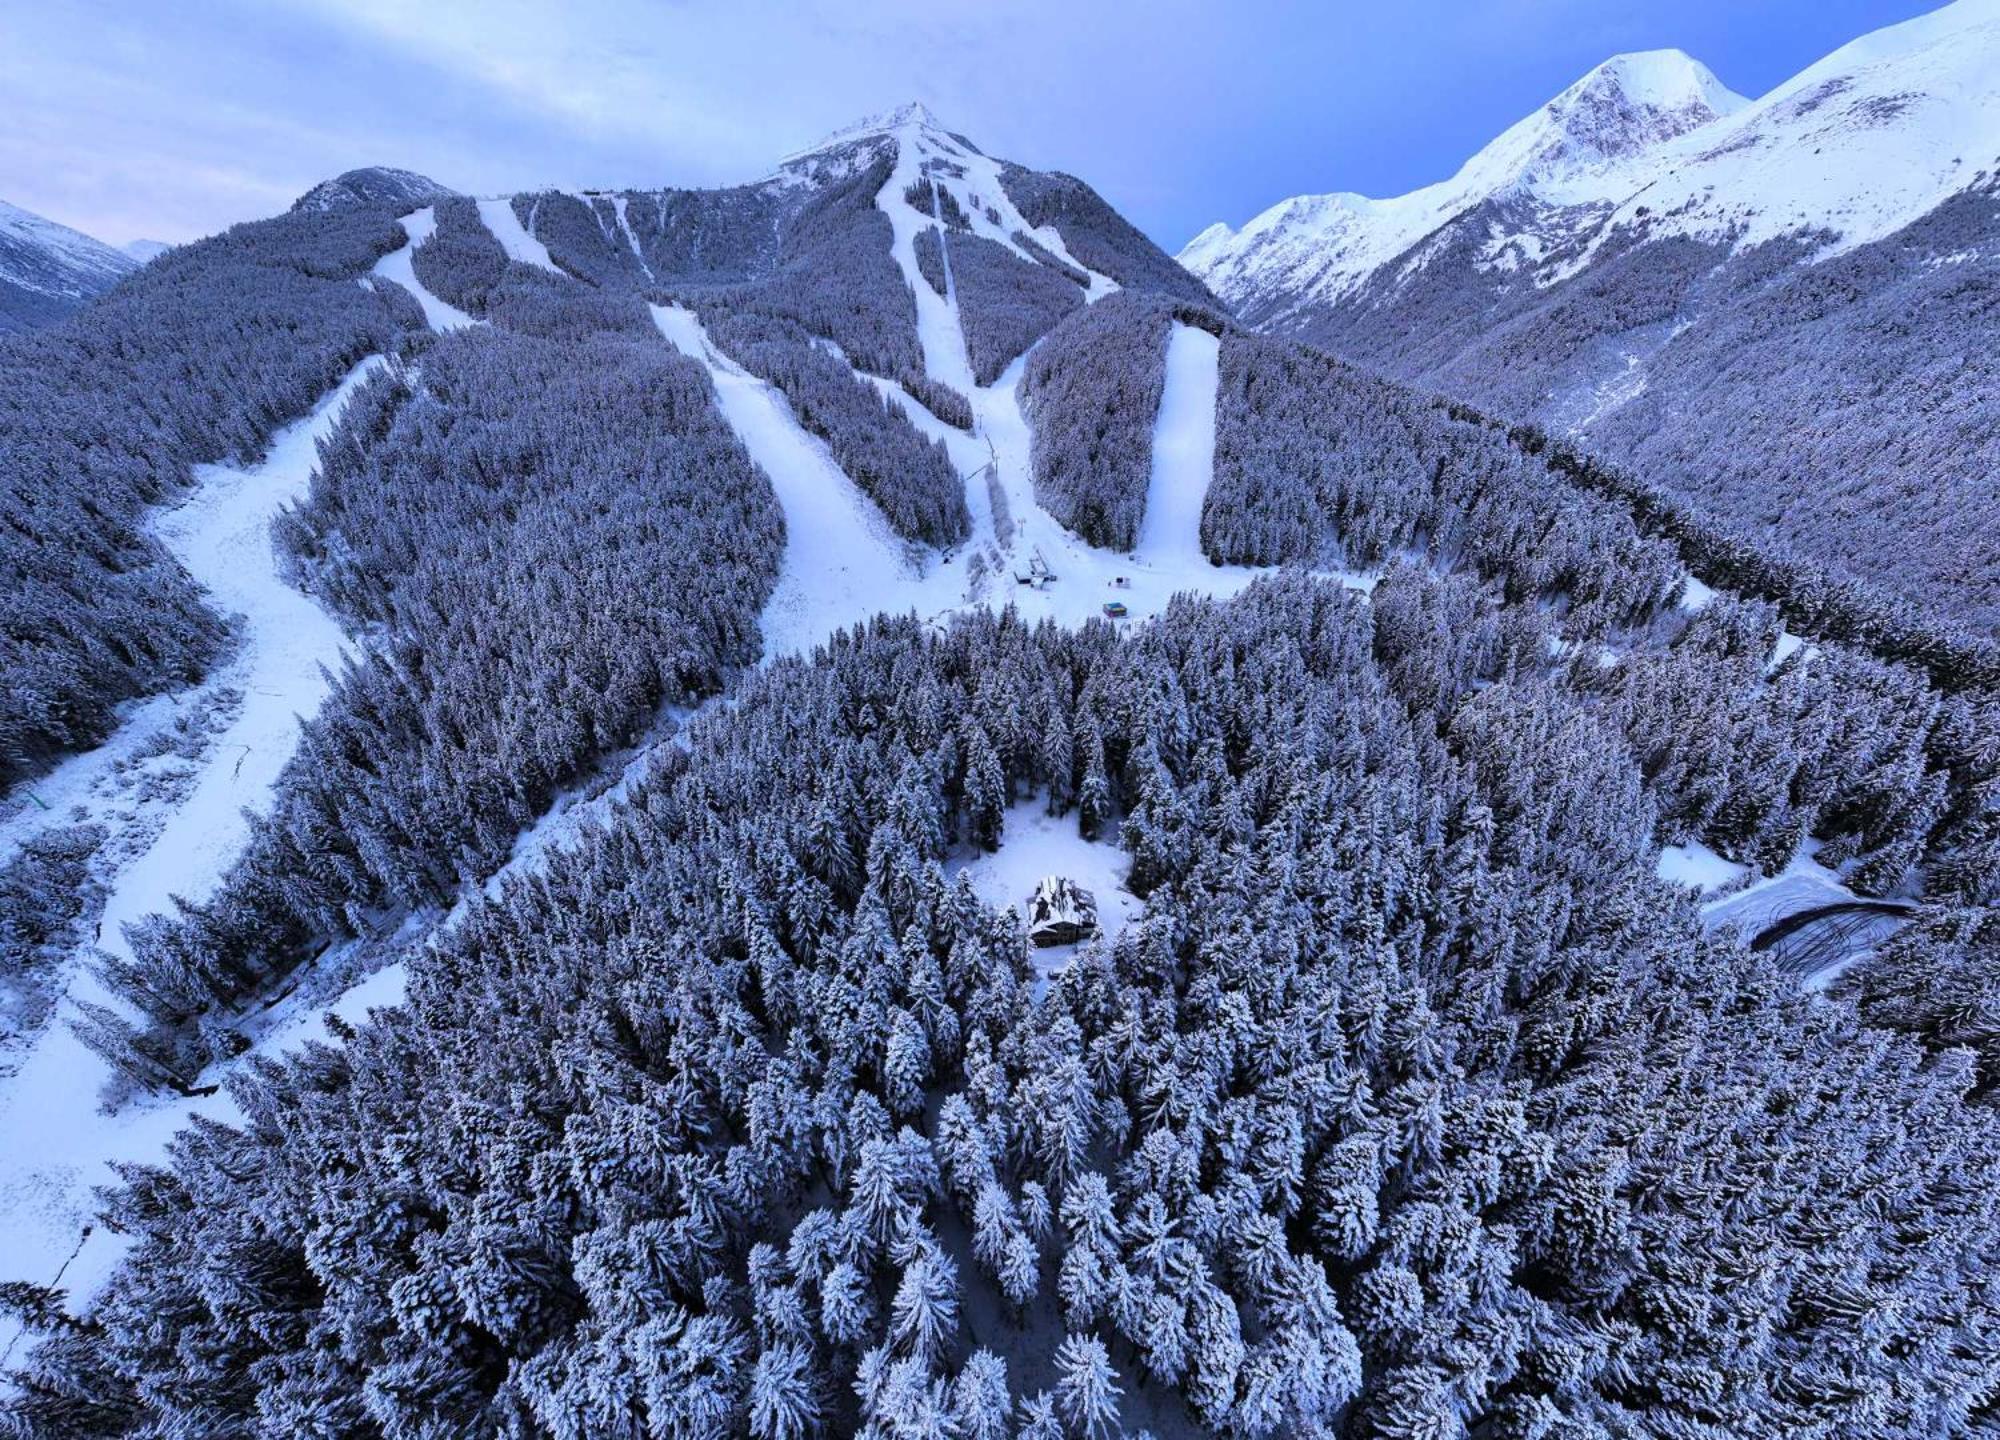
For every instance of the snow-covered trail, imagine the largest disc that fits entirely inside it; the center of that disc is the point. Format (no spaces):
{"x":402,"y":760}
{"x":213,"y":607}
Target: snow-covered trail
{"x":398,"y":266}
{"x":1183,"y":451}
{"x":57,"y":1144}
{"x":498,"y":216}
{"x":842,"y":561}
{"x":938,"y":330}
{"x":223,"y":537}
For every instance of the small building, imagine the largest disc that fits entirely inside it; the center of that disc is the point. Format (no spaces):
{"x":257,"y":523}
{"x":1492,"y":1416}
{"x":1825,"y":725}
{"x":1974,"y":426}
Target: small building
{"x":1061,"y":912}
{"x":1115,"y":610}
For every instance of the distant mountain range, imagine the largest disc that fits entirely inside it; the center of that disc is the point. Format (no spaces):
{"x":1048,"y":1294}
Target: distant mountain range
{"x":49,"y":270}
{"x":1786,"y":308}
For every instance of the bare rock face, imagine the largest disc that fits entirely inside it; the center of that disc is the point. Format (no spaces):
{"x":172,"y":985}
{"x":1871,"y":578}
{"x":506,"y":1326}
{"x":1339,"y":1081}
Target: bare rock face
{"x":1061,"y":912}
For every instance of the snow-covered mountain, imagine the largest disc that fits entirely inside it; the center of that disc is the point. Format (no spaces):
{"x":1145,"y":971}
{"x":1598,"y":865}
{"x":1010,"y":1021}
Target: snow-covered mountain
{"x":372,"y":185}
{"x":523,"y":1009}
{"x":47,"y":270}
{"x":144,"y":250}
{"x":1858,"y":145}
{"x":1783,"y":307}
{"x":1569,"y":163}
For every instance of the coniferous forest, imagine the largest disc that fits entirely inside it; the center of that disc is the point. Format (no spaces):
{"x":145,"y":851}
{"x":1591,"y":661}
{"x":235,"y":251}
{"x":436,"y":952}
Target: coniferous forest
{"x":1413,"y":1092}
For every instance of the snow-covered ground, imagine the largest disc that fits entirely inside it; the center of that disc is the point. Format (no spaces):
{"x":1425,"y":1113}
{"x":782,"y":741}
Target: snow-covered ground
{"x":419,"y":225}
{"x":938,"y":330}
{"x":1699,"y":867}
{"x":515,"y":238}
{"x":1828,"y":947}
{"x":1034,"y":844}
{"x":57,"y":1144}
{"x":1804,"y":884}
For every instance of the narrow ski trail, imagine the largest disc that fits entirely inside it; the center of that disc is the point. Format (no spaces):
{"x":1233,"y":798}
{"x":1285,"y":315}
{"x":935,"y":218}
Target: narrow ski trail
{"x":842,"y":562}
{"x":59,"y":1144}
{"x":399,"y":266}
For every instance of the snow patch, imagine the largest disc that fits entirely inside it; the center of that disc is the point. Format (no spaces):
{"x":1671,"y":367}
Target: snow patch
{"x":1034,"y":844}
{"x":1697,"y":866}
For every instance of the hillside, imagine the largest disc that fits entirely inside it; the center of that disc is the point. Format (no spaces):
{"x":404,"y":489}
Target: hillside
{"x":1783,"y":309}
{"x":48,"y":271}
{"x":539,"y":715}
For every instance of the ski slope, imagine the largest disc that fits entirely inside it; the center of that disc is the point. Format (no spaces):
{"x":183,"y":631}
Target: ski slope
{"x":498,"y":216}
{"x":1183,"y":450}
{"x":397,"y":265}
{"x":59,"y":1146}
{"x":842,"y":562}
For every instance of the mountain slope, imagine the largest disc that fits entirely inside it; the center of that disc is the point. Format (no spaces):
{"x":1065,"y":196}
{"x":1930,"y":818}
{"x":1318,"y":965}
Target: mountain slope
{"x":1787,"y":311}
{"x":49,"y":270}
{"x":715,"y":1088}
{"x":1565,"y":165}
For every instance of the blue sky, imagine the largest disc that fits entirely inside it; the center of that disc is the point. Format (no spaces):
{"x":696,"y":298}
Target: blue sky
{"x":171,"y":120}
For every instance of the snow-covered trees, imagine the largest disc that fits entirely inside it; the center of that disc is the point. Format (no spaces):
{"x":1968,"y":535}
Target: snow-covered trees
{"x":835,"y":278}
{"x":198,"y":357}
{"x":46,"y":892}
{"x":911,"y":478}
{"x":1092,"y":390}
{"x":1005,"y":303}
{"x":1413,"y":1104}
{"x":1413,"y":1101}
{"x":1318,"y":463}
{"x":1097,"y":235}
{"x":554,"y":540}
{"x":929,"y":247}
{"x":461,"y":262}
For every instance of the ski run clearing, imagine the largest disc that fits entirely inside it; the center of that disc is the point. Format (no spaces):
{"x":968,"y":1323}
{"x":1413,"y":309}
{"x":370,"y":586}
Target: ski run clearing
{"x":419,"y":225}
{"x":518,"y":240}
{"x":59,"y":1146}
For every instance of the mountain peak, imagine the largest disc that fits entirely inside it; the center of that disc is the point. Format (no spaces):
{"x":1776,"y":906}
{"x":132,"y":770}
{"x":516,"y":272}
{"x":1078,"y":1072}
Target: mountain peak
{"x":372,"y":185}
{"x":912,"y":116}
{"x":1660,"y":80}
{"x":1621,"y":108}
